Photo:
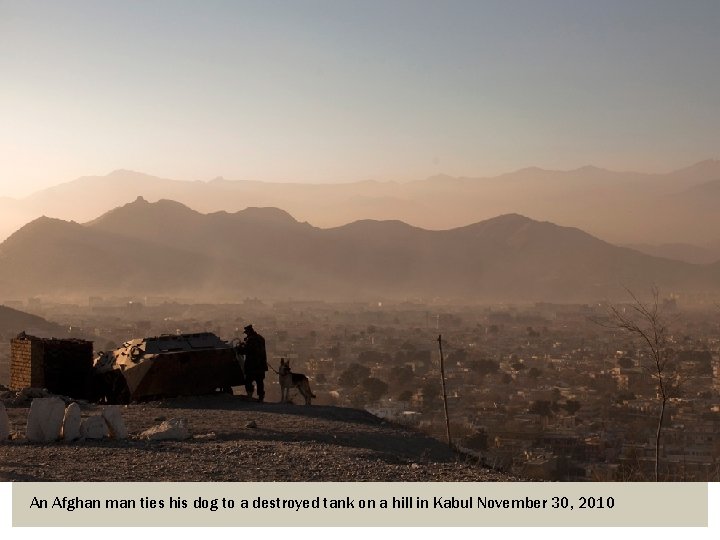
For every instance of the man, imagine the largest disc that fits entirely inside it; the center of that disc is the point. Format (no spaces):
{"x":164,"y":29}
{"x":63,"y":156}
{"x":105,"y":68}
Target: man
{"x":255,"y":362}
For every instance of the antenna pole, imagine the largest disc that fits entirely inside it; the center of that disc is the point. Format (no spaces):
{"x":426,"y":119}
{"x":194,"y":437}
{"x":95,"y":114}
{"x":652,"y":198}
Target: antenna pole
{"x":444,"y":393}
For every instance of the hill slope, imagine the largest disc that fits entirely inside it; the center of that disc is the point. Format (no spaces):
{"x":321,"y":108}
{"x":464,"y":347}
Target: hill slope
{"x":290,"y":443}
{"x":51,"y":256}
{"x":13,"y":321}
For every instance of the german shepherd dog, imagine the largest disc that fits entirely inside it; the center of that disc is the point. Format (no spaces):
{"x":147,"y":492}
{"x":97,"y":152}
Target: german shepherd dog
{"x":289,"y":380}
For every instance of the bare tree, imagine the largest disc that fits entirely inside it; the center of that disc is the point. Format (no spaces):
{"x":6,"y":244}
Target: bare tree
{"x":646,"y":323}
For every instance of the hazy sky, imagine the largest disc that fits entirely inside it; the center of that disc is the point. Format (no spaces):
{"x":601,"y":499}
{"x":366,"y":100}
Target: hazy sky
{"x":338,"y":91}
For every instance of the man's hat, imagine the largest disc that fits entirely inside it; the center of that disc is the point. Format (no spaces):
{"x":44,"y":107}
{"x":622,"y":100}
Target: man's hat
{"x":248,"y":328}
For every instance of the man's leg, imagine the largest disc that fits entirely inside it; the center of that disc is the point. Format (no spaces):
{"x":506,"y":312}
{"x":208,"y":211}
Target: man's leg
{"x":249,"y":388}
{"x":261,"y":387}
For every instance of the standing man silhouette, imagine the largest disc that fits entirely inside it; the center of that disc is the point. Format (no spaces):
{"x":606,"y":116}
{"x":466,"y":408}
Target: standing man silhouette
{"x":255,"y":362}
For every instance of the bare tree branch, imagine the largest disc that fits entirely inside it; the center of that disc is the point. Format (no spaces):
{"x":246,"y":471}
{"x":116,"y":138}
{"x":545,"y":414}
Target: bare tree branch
{"x":646,"y":323}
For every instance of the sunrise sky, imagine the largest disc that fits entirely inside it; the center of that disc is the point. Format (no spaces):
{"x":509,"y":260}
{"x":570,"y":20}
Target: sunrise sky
{"x":329,"y":91}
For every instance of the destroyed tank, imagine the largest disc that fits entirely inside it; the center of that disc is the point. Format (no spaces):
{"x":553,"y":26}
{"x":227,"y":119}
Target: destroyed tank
{"x":168,"y":366}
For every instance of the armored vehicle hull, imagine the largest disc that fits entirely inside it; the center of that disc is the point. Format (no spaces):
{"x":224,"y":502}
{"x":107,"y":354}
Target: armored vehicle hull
{"x":168,"y":366}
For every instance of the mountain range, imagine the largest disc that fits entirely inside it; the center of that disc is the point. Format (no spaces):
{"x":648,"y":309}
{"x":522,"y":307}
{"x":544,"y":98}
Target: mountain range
{"x":648,"y":211}
{"x":165,"y":247}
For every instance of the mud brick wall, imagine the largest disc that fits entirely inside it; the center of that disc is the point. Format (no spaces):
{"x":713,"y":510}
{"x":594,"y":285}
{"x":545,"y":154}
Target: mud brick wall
{"x":24,"y":373}
{"x":63,"y":366}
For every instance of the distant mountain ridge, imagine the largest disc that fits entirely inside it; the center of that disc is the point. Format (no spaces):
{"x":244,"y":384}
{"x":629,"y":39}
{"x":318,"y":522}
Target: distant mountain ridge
{"x":621,"y":207}
{"x":167,"y":248}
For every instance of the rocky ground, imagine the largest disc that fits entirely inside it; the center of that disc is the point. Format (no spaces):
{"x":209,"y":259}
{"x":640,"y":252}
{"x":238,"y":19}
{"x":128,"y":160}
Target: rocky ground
{"x":287,"y":443}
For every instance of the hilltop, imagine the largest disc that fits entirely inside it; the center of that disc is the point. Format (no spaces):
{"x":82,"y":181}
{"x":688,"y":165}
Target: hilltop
{"x":290,"y":443}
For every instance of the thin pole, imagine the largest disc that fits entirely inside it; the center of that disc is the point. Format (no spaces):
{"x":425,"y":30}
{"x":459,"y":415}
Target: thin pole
{"x":442,"y":378}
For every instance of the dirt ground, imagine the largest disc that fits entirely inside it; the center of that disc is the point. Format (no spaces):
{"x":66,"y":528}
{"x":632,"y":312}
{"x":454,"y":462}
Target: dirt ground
{"x":290,"y":443}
